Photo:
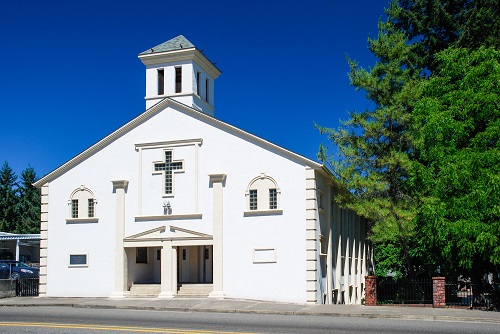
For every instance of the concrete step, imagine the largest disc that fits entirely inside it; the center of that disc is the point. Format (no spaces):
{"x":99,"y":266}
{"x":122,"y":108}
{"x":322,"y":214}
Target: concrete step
{"x":145,"y":290}
{"x":184,"y":290}
{"x":194,"y":290}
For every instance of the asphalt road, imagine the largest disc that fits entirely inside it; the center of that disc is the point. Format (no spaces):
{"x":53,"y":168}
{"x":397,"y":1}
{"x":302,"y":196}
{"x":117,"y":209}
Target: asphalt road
{"x":68,"y":320}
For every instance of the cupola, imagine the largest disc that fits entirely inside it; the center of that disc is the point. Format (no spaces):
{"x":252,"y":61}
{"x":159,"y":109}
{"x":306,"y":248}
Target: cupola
{"x":178,"y":70}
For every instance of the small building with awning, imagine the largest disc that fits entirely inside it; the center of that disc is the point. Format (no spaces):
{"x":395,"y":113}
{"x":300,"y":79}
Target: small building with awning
{"x":20,"y":247}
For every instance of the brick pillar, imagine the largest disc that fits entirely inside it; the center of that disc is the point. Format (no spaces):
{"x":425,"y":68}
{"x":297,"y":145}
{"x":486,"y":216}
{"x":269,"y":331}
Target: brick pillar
{"x":370,"y":290}
{"x":438,"y":292}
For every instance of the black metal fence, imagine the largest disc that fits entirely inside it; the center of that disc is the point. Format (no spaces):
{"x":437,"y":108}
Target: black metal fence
{"x":472,"y":295}
{"x":27,"y":286}
{"x":457,"y":295}
{"x":404,"y":291}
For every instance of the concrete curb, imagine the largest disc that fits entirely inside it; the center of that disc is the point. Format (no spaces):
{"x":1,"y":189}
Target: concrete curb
{"x":274,"y":312}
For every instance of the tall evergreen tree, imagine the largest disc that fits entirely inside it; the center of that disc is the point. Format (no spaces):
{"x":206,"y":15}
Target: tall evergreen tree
{"x":435,"y":25}
{"x":8,"y":198}
{"x":374,"y":147}
{"x":28,"y":208}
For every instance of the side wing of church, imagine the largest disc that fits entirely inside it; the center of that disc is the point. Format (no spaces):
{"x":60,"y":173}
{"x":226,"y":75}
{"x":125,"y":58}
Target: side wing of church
{"x":177,"y":199}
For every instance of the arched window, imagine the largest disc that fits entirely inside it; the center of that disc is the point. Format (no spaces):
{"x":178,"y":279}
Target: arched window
{"x":263,"y":196}
{"x":82,"y":204}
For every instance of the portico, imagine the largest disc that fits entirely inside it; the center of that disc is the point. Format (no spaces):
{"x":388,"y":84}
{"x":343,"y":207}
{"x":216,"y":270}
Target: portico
{"x":169,"y":257}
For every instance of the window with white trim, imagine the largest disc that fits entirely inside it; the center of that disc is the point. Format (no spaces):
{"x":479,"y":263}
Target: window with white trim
{"x":273,"y":198}
{"x":78,"y":260}
{"x":253,"y":199}
{"x":74,"y":208}
{"x":82,"y":204}
{"x":91,"y":207}
{"x":263,"y":195}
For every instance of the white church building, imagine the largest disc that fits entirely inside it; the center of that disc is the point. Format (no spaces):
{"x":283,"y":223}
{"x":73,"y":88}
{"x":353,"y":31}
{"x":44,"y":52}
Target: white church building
{"x":177,"y":202}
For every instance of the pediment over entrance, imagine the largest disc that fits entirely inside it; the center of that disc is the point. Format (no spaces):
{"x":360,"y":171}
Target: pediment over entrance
{"x":164,"y":233}
{"x":154,"y":234}
{"x":183,"y":233}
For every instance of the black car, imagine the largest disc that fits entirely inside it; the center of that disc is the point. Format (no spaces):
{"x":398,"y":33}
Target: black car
{"x":17,"y":269}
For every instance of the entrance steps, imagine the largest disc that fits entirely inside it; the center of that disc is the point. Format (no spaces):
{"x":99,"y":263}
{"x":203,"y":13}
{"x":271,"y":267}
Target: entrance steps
{"x":144,"y":290}
{"x":185,"y":290}
{"x":194,"y":290}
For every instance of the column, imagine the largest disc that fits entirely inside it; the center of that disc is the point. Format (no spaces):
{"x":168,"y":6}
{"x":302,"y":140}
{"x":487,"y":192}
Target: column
{"x":18,"y":242}
{"x":120,"y":188}
{"x":173,"y":272}
{"x":201,"y":262}
{"x":338,"y":265}
{"x":358,"y":260}
{"x":370,"y":291}
{"x":217,"y":181}
{"x":438,"y":292}
{"x":352,"y":281}
{"x":167,"y":290}
{"x":329,"y":264}
{"x":347,"y":242}
{"x":363,"y":255}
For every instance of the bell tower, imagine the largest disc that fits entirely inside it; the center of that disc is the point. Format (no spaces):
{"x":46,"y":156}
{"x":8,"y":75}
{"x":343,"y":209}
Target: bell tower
{"x":178,"y":70}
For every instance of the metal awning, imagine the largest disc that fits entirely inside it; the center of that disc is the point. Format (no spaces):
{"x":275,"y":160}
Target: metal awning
{"x":12,"y":236}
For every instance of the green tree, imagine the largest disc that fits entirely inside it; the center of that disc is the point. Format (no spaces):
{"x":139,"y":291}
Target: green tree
{"x":8,"y":198}
{"x":377,"y":159}
{"x":28,"y":208}
{"x":374,"y":148}
{"x":456,"y":125}
{"x":435,"y":25}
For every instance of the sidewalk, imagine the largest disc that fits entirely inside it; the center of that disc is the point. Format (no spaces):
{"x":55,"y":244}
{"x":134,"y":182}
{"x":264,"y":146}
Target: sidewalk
{"x":260,"y":307}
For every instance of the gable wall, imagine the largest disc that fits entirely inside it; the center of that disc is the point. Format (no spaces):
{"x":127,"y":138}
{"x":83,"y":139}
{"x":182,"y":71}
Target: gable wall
{"x":219,"y":152}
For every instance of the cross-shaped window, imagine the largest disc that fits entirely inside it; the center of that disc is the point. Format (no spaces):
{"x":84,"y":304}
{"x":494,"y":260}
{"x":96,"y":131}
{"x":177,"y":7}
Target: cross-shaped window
{"x":167,"y":167}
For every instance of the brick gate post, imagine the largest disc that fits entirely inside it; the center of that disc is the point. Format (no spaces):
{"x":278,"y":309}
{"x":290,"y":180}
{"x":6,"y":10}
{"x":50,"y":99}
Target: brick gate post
{"x":438,"y":292}
{"x":370,"y":290}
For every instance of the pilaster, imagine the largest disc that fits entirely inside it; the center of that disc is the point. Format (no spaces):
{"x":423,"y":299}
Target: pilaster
{"x":44,"y":233}
{"x":120,"y":189}
{"x":311,"y":238}
{"x":218,"y":181}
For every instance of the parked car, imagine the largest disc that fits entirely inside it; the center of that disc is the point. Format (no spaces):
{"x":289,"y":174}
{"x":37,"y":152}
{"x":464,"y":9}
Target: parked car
{"x":17,"y":269}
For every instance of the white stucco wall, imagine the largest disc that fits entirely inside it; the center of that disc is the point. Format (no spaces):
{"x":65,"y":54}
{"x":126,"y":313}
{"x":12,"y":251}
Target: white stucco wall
{"x":219,"y":153}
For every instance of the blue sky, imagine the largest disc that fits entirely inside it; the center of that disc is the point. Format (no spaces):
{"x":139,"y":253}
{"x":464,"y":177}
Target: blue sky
{"x":69,"y":72}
